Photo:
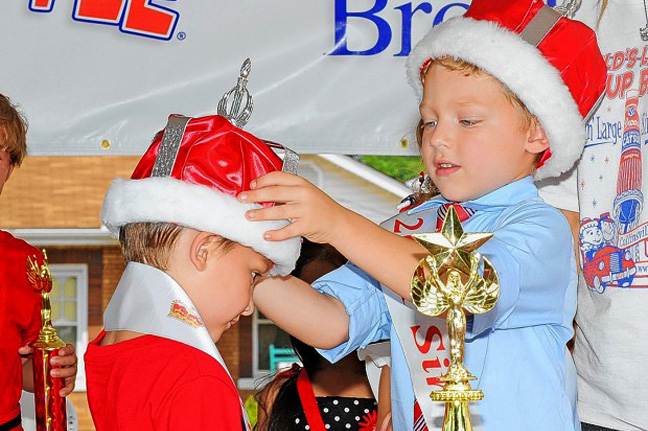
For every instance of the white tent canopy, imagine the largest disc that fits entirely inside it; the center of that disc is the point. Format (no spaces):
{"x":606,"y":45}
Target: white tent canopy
{"x":100,"y":77}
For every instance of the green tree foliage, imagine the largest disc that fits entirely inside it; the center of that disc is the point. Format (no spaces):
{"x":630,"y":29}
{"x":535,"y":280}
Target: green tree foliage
{"x":401,"y":168}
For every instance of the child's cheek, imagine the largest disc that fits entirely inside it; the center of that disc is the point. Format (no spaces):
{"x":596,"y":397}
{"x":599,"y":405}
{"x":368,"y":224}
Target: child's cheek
{"x":428,"y":158}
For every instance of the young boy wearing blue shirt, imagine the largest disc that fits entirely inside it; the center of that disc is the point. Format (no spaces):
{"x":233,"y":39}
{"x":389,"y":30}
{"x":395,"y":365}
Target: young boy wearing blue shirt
{"x":505,"y":90}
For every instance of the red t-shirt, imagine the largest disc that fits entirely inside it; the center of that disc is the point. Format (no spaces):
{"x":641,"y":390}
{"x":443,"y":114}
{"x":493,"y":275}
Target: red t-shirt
{"x":152,"y":383}
{"x":20,"y":320}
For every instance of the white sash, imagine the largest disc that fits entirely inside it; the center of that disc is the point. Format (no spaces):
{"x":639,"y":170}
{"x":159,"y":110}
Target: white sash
{"x":424,"y":339}
{"x":149,"y":301}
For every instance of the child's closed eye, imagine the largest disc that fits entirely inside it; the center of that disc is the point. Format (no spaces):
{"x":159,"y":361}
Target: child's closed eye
{"x":469,"y":122}
{"x":257,"y":276}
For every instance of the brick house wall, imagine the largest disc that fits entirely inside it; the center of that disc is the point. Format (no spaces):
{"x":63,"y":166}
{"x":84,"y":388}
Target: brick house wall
{"x":60,"y":192}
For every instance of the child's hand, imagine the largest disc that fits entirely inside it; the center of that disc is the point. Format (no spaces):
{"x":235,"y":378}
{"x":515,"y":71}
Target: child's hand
{"x":313,"y":214}
{"x":66,"y":360}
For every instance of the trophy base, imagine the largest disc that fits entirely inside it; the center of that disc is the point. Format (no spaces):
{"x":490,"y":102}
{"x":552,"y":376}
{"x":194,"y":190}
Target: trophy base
{"x":453,"y":395}
{"x":48,"y":340}
{"x":456,"y":394}
{"x":49,"y":346}
{"x":457,"y":388}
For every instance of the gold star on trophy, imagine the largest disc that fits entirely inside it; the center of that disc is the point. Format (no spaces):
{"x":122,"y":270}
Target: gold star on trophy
{"x":452,"y":247}
{"x":453,"y":252}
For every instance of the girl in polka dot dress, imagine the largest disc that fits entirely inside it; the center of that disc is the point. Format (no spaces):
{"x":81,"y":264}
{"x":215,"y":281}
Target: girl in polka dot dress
{"x":319,"y":396}
{"x":289,"y":402}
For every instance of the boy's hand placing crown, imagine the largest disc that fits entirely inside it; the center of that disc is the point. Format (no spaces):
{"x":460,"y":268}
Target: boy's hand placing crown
{"x":313,"y":214}
{"x":389,"y":258}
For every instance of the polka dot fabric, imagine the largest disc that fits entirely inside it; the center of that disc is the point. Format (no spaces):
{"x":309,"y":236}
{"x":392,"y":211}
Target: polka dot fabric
{"x":343,"y":414}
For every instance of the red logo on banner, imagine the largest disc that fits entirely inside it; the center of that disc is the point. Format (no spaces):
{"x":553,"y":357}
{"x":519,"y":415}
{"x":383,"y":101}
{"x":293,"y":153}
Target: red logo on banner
{"x":100,"y":11}
{"x":41,"y":5}
{"x":139,"y":17}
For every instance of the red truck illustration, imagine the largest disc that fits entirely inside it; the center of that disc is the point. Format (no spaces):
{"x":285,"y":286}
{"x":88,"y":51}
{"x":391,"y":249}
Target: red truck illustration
{"x":609,"y":265}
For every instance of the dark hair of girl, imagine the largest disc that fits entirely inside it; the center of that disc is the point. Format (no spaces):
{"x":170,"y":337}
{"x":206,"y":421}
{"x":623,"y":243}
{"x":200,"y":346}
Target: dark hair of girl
{"x":287,"y":405}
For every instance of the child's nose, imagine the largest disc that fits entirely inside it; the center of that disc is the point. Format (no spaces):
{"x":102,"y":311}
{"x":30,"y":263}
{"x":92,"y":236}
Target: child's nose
{"x":440,"y":136}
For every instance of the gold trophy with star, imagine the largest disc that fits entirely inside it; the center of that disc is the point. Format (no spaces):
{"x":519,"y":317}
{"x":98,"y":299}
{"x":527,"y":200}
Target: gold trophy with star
{"x":454,"y":278}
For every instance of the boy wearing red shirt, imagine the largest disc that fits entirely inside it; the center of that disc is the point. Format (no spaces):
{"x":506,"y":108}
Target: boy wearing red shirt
{"x":20,"y":305}
{"x":193,"y":260}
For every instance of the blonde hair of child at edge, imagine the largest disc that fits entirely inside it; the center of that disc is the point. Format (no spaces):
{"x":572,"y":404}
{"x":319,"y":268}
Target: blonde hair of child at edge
{"x":13,"y":131}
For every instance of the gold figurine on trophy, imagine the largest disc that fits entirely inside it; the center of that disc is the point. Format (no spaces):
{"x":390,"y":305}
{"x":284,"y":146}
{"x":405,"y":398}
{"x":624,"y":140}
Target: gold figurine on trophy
{"x":449,"y":280}
{"x":50,"y":406}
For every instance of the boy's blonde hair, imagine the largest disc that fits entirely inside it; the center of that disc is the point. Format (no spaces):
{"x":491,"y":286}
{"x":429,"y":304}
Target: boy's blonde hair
{"x":13,"y":131}
{"x":151,"y":243}
{"x":469,"y":69}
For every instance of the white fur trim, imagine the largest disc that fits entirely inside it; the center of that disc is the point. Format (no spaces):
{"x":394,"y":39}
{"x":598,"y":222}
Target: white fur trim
{"x":198,"y":207}
{"x":522,"y":68}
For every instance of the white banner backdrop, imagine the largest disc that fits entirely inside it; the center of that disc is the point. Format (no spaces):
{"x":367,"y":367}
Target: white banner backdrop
{"x":327,"y":76}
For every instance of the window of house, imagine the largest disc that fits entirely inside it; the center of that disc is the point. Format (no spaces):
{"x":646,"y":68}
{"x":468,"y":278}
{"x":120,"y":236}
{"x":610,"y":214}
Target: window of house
{"x":69,"y":300}
{"x":265,"y":333}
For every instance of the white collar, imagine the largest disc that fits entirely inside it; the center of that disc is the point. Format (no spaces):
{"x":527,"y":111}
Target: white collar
{"x":144,"y":302}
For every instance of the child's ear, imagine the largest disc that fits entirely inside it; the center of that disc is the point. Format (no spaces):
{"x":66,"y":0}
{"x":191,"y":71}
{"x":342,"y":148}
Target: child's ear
{"x":201,"y":246}
{"x":537,"y":141}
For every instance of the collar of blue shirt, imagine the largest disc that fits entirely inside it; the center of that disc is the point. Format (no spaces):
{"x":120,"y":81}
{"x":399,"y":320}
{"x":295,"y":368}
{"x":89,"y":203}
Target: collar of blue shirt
{"x":507,"y":195}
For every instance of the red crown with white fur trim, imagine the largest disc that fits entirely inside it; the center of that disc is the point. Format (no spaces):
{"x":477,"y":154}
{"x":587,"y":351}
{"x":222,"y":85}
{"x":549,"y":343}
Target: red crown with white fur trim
{"x":191,"y":175}
{"x":553,"y":64}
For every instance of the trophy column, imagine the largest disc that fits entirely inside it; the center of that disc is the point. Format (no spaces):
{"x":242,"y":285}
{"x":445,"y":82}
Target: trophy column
{"x":51,"y":412}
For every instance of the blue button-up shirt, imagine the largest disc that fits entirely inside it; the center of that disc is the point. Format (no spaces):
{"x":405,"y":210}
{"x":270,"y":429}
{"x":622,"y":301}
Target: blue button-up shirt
{"x":517,"y":350}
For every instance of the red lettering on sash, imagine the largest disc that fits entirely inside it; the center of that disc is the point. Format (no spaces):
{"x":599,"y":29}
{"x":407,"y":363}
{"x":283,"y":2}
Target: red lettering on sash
{"x":431,"y":332}
{"x":431,"y":366}
{"x":398,"y":224}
